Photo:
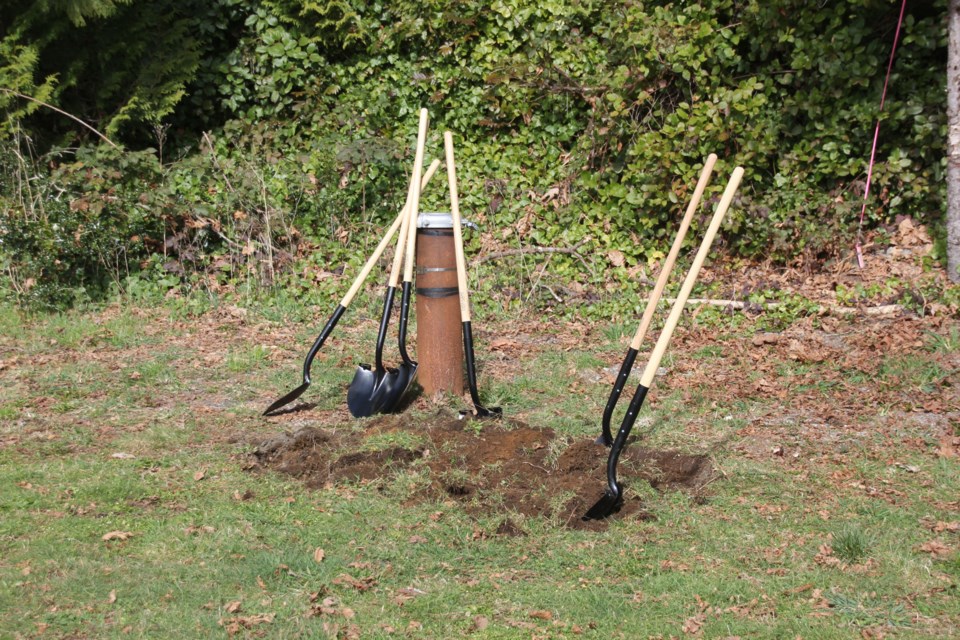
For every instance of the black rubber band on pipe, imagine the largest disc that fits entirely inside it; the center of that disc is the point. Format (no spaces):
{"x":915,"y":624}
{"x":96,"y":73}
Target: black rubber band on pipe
{"x":438,"y":292}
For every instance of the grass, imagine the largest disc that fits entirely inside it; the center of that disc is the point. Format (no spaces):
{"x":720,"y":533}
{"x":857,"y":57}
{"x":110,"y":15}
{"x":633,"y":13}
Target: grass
{"x":851,"y":544}
{"x":88,"y":448}
{"x":944,"y":343}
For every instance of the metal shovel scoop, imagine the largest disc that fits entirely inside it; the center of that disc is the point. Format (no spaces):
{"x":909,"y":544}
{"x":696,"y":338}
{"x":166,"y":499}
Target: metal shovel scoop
{"x":479,"y":409}
{"x":612,"y":498}
{"x":365,"y":397}
{"x":606,"y":436}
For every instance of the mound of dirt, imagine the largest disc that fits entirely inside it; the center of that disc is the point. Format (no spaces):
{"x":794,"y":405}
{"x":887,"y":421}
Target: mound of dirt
{"x":489,"y":467}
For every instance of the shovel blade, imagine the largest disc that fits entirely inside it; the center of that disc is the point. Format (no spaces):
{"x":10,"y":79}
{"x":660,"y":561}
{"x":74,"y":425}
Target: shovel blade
{"x":287,"y":399}
{"x":606,"y":506}
{"x":482,"y":412}
{"x":362,"y":394}
{"x":394,"y":387}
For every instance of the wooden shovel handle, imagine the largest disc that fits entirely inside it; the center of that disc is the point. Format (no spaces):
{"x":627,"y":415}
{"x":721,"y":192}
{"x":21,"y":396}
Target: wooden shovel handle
{"x":405,"y":225}
{"x":457,"y":229}
{"x":398,"y":223}
{"x":414,"y":196}
{"x":667,"y":266}
{"x":648,"y":374}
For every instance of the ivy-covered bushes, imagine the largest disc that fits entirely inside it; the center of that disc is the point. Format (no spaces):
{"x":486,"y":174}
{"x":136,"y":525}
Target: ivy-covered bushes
{"x":577,"y":121}
{"x":70,"y":233}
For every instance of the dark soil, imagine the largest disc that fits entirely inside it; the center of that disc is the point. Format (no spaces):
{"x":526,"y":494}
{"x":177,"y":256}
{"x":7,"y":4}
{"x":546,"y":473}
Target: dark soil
{"x":497,"y":467}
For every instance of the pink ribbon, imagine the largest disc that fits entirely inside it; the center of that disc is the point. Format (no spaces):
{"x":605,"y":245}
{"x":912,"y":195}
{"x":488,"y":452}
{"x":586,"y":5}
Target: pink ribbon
{"x":876,"y":135}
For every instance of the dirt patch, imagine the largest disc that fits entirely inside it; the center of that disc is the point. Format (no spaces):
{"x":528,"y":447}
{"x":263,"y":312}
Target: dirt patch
{"x":498,"y":467}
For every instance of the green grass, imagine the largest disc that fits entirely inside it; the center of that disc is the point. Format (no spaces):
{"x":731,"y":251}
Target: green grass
{"x":851,"y":544}
{"x":913,"y":373}
{"x":944,"y":343}
{"x":244,"y":360}
{"x":87,"y":448}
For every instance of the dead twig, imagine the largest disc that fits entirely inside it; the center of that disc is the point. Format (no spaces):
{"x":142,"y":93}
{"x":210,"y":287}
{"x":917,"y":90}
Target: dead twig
{"x":885,"y":309}
{"x":24,"y":96}
{"x":546,"y":471}
{"x":496,"y":255}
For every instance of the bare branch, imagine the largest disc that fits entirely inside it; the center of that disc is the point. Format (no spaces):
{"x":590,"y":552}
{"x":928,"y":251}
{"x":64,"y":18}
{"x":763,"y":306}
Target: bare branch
{"x":61,"y":112}
{"x":496,"y":255}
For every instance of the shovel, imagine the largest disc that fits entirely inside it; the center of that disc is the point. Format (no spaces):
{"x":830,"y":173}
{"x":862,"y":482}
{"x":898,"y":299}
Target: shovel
{"x":395,"y":382}
{"x":606,"y":437}
{"x":365,"y":395}
{"x":337,"y":314}
{"x":612,"y":498}
{"x":479,"y":409}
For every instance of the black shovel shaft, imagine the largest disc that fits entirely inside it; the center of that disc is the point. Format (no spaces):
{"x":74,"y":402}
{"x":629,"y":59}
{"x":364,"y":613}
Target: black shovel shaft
{"x":404,"y":314}
{"x":384,"y":322}
{"x":482,"y":411}
{"x":307,"y":362}
{"x":470,"y":362}
{"x":606,"y":437}
{"x":327,"y":330}
{"x":625,"y":427}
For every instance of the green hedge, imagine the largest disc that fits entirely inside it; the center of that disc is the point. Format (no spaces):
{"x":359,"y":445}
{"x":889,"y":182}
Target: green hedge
{"x":574,"y":119}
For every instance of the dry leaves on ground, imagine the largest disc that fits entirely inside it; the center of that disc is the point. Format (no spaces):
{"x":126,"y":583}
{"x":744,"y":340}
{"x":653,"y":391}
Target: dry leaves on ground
{"x":360,"y":584}
{"x":935,"y":548}
{"x":116,"y":535}
{"x":234,"y":625}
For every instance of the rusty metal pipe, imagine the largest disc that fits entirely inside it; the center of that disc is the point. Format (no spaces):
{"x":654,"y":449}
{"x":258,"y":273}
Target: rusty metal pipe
{"x":439,"y":347}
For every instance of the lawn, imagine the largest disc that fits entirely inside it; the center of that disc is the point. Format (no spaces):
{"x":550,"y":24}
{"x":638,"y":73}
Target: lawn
{"x":132,"y":504}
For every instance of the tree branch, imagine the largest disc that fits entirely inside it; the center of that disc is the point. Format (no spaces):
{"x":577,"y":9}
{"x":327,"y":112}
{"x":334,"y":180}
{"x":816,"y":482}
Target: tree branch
{"x":61,"y":112}
{"x":881,"y":310}
{"x":496,"y":255}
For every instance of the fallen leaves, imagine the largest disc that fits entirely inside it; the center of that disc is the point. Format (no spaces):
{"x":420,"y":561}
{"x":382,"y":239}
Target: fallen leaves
{"x":330,"y":606}
{"x":480,"y":623}
{"x":670,"y":565}
{"x":935,"y":548}
{"x":758,"y":608}
{"x":116,"y":535}
{"x":910,"y":234}
{"x":694,"y":624}
{"x":504,"y":344}
{"x":616,"y":258}
{"x":940,"y":526}
{"x":194,"y":530}
{"x":360,"y":584}
{"x":407,"y":594}
{"x":826,"y":558}
{"x":949,"y":446}
{"x":319,"y":554}
{"x":235,"y":625}
{"x":761,"y":339}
